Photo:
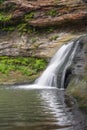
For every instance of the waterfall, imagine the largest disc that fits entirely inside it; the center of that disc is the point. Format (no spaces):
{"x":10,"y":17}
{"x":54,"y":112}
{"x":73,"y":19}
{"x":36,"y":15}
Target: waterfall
{"x":69,"y":63}
{"x":57,"y":66}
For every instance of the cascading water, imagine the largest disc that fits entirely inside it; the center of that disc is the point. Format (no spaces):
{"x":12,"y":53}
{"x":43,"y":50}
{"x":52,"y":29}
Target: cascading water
{"x":62,"y":59}
{"x":68,"y":64}
{"x":55,"y":73}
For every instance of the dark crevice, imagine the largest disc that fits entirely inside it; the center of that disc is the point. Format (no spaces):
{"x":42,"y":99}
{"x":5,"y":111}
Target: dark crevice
{"x":68,"y":76}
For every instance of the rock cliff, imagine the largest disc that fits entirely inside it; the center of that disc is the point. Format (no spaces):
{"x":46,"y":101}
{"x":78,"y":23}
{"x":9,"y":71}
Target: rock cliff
{"x":78,"y":84}
{"x":36,"y":26}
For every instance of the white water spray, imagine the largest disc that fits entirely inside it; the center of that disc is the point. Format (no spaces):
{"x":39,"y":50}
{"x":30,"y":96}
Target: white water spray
{"x":55,"y":73}
{"x":49,"y":76}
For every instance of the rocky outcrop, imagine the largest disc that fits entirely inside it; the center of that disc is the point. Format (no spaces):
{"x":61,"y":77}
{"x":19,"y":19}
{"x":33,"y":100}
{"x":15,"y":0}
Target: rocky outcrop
{"x":35,"y":45}
{"x":78,"y":83}
{"x":35,"y":26}
{"x":72,"y":18}
{"x":45,"y":13}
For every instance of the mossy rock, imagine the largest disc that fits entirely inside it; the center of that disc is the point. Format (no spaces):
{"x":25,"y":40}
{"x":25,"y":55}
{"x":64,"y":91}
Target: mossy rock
{"x":79,"y":91}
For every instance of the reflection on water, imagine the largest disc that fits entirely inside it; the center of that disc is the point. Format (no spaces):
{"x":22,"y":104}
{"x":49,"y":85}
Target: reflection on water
{"x":38,"y":109}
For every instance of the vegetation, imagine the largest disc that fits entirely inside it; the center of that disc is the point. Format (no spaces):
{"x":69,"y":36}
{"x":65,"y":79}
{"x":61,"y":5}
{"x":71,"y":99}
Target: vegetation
{"x":53,"y":38}
{"x":9,"y":28}
{"x":29,"y":16}
{"x":5,"y":18}
{"x":1,"y":1}
{"x":79,"y":91}
{"x":27,"y":66}
{"x":52,"y":12}
{"x":24,"y":28}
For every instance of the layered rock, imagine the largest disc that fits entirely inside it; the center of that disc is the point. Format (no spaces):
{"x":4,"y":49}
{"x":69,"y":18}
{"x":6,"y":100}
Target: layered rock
{"x":30,"y":16}
{"x":46,"y":13}
{"x":34,"y":45}
{"x":78,"y":84}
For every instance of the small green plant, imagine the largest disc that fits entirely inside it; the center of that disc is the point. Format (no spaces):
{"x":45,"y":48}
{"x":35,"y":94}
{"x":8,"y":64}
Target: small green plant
{"x":29,"y":16}
{"x":53,"y":38}
{"x":49,"y":30}
{"x":1,"y":1}
{"x":22,"y":27}
{"x":5,"y":18}
{"x":8,"y":28}
{"x":52,"y":12}
{"x":34,"y":40}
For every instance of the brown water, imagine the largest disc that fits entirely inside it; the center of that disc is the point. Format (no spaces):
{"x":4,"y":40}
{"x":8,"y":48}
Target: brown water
{"x":38,"y":109}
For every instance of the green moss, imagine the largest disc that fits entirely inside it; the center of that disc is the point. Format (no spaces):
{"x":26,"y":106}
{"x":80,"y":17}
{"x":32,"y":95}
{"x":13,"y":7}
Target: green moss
{"x":29,"y":16}
{"x":1,"y":1}
{"x":4,"y":17}
{"x":79,"y":91}
{"x":53,"y":38}
{"x":24,"y":27}
{"x":34,"y":40}
{"x":52,"y":12}
{"x":8,"y":28}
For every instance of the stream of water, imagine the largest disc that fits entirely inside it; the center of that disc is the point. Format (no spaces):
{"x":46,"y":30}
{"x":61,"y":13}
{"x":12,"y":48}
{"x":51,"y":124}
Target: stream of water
{"x":38,"y":109}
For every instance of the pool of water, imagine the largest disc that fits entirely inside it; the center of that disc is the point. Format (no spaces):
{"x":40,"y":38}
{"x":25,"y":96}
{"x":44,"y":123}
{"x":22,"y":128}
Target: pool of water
{"x":30,"y":108}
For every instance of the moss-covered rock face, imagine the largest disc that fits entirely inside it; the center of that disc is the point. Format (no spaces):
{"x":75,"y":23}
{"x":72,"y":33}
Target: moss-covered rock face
{"x":20,"y":69}
{"x":78,"y":84}
{"x":79,"y":91}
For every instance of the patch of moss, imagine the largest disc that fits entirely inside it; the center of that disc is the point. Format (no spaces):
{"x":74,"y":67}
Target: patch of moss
{"x":29,"y":16}
{"x":8,"y":28}
{"x":25,"y":28}
{"x":53,"y":37}
{"x":79,"y":91}
{"x":1,"y":1}
{"x":52,"y":12}
{"x":22,"y":27}
{"x":34,"y":40}
{"x":4,"y":17}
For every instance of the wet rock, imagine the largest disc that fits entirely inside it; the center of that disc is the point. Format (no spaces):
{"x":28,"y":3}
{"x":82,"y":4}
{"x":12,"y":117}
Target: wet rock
{"x":78,"y":83}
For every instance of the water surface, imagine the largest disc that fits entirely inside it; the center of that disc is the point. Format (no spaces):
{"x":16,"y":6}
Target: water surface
{"x":38,"y":109}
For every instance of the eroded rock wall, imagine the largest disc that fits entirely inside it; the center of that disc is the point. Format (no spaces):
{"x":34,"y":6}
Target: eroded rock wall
{"x":78,"y":83}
